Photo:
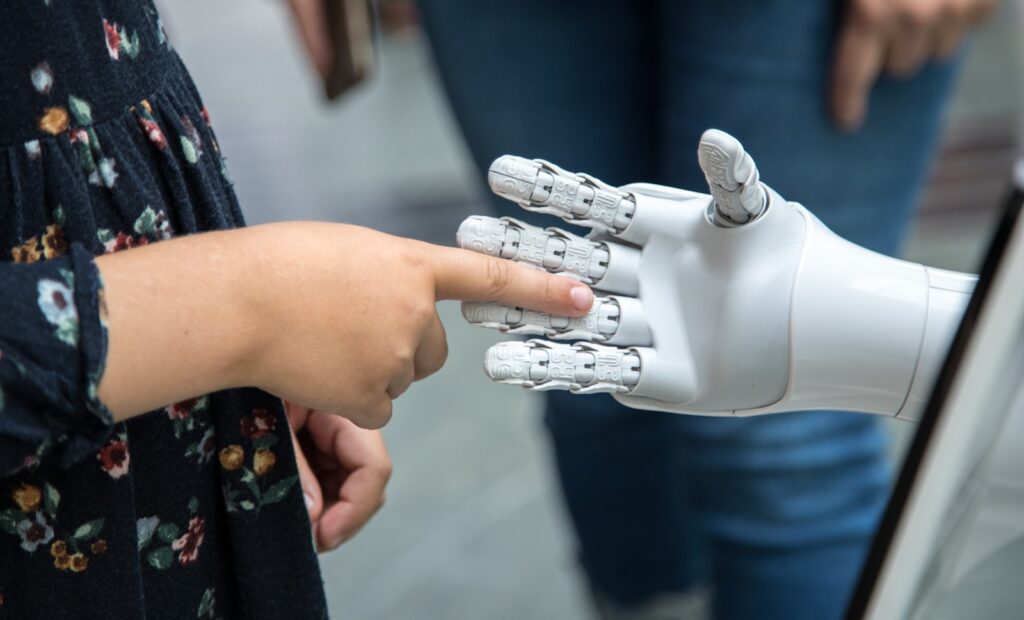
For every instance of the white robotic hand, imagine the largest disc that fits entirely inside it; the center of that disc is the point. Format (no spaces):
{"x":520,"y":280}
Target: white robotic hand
{"x":733,"y":303}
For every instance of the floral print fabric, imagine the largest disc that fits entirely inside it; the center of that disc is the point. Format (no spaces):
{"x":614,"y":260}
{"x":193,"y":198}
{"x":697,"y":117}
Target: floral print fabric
{"x":191,"y":511}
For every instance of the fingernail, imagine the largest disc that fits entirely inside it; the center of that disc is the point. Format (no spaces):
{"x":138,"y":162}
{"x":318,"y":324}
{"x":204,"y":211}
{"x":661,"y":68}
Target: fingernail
{"x":582,"y":297}
{"x":308,"y":500}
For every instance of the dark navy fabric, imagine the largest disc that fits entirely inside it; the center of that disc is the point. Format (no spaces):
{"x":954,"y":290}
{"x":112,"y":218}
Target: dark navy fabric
{"x":775,"y":512}
{"x":191,"y":511}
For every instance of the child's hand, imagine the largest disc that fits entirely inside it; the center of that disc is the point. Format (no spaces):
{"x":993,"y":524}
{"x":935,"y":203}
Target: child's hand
{"x":339,"y":318}
{"x":347,"y":316}
{"x":343,"y":470}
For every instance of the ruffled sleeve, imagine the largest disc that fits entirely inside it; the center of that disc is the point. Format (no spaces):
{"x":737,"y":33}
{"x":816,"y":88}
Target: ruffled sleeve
{"x":52,"y":349}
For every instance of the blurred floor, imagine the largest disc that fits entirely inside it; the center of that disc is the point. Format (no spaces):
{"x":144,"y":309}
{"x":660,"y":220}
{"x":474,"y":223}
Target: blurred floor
{"x":473,"y":526}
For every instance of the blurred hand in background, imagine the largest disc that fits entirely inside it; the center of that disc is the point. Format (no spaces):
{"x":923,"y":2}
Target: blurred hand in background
{"x":309,"y":16}
{"x":897,"y":37}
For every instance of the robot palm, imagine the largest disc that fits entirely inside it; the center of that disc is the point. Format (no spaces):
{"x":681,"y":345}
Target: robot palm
{"x":733,"y":303}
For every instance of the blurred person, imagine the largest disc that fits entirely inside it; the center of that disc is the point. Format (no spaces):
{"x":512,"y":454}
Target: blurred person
{"x":840,"y":103}
{"x":203,"y":507}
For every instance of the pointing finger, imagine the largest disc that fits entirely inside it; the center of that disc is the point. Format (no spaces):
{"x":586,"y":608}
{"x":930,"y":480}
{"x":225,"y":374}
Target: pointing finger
{"x":469,"y":276}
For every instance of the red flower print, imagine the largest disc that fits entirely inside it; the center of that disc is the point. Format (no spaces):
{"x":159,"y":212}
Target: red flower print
{"x":113,"y":39}
{"x":123,"y":242}
{"x":114,"y":457}
{"x":188,"y":543}
{"x":206,"y":116}
{"x":207,"y":445}
{"x":183,"y":409}
{"x":258,"y":424}
{"x":153,"y":132}
{"x":79,"y":135}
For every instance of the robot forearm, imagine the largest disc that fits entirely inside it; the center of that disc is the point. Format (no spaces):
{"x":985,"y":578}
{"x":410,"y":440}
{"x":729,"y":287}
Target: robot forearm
{"x":734,"y":303}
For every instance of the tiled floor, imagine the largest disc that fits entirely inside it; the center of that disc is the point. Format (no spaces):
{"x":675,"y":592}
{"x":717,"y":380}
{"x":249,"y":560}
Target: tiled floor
{"x":473,"y":527}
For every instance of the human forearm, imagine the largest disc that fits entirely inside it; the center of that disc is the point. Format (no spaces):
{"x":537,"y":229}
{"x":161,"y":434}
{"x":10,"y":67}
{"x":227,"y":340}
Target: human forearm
{"x":180,"y":320}
{"x":339,"y":318}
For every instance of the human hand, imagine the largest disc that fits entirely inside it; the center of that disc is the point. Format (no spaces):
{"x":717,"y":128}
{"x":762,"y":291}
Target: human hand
{"x":348,"y":318}
{"x":339,"y":318}
{"x":895,"y":36}
{"x":312,"y":26}
{"x":343,"y":470}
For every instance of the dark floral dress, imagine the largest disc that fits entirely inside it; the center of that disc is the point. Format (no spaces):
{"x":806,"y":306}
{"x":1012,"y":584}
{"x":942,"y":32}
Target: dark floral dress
{"x":192,"y":511}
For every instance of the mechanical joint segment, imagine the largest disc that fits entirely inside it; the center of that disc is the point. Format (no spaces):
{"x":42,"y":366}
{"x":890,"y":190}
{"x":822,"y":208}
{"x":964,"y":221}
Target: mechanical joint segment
{"x":543,"y":187}
{"x":582,"y":368}
{"x":739,"y":196}
{"x":552,"y":249}
{"x":598,"y":325}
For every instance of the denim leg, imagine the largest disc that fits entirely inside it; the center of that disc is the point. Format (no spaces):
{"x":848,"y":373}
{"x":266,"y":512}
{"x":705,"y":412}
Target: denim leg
{"x":575,"y":82}
{"x":790,"y":502}
{"x":623,"y":90}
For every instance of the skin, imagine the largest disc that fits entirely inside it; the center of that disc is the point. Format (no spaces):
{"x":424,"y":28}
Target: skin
{"x":339,"y":318}
{"x":343,"y":469}
{"x":896,"y":37}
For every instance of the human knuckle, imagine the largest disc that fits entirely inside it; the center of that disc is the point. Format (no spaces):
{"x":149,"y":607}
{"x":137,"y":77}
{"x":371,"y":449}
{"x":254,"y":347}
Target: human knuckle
{"x":919,"y":14}
{"x":386,"y":468}
{"x":442,"y":354}
{"x":422,"y":311}
{"x":870,"y":13}
{"x":498,"y":275}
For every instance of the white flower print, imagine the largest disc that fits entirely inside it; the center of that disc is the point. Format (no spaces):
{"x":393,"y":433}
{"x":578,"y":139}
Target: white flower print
{"x":34,"y":532}
{"x":42,"y":78}
{"x":56,"y":301}
{"x":33,"y":149}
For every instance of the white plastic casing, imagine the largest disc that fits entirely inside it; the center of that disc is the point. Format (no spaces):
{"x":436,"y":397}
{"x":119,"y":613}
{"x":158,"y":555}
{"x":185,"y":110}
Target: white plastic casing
{"x":789,"y":317}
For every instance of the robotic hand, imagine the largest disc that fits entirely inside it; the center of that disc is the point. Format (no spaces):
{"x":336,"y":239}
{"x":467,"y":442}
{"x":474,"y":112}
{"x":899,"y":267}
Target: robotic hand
{"x":733,"y":303}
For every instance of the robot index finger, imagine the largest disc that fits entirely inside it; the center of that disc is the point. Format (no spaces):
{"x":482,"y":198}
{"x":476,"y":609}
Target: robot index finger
{"x":610,"y":266}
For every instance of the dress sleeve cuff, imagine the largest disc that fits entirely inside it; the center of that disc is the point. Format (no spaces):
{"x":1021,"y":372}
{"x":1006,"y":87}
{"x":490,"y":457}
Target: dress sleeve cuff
{"x":95,"y":421}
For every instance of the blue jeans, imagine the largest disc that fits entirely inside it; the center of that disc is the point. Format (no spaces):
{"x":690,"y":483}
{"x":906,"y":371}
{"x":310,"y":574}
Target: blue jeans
{"x":776,"y":512}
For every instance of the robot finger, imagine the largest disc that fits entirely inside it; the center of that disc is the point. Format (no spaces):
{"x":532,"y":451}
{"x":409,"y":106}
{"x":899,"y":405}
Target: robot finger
{"x":613,"y":267}
{"x":733,"y":179}
{"x":582,"y":368}
{"x":537,"y":185}
{"x":611,"y":320}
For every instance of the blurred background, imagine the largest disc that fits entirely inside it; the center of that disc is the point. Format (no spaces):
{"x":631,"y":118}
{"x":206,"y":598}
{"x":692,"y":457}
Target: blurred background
{"x":474,"y":527}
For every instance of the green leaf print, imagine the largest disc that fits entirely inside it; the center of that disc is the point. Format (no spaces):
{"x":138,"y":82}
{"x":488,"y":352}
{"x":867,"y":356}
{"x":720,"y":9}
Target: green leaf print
{"x":67,"y":333}
{"x":189,"y":150}
{"x":51,"y":499}
{"x":279,"y":491}
{"x":145,"y":224}
{"x":9,"y":520}
{"x":168,"y":532}
{"x":263,"y":443}
{"x":206,"y":604}
{"x":131,"y":46}
{"x":88,"y":531}
{"x":69,"y":277}
{"x":80,"y":110}
{"x":193,"y":505}
{"x":145,"y":528}
{"x":161,"y":558}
